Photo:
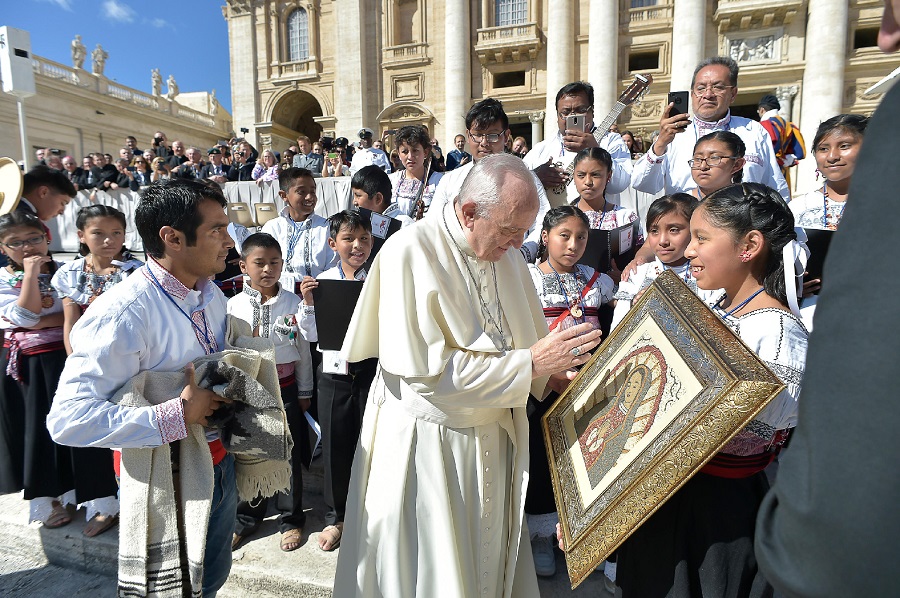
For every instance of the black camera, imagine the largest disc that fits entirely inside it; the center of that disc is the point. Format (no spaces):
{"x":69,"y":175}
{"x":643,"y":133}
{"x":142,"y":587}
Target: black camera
{"x":240,"y":154}
{"x":55,"y":152}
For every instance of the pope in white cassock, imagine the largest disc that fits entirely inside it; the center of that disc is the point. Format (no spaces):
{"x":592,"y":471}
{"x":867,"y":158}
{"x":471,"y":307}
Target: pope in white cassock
{"x":440,"y":473}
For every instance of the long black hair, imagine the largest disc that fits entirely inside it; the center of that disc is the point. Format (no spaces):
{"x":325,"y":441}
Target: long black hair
{"x":553,"y":218}
{"x":754,"y":206}
{"x":22,"y":218}
{"x":682,"y":203}
{"x":88,"y":213}
{"x":854,"y":123}
{"x":735,"y":146}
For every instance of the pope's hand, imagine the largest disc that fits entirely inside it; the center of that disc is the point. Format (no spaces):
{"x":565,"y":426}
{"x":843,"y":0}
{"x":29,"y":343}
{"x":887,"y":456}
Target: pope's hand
{"x":563,"y":349}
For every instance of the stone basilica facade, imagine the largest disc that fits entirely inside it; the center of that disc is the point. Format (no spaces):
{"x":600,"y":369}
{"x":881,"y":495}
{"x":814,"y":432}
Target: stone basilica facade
{"x":329,"y":67}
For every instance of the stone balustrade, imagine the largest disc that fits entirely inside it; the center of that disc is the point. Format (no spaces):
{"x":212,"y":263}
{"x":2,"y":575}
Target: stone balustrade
{"x":45,"y":68}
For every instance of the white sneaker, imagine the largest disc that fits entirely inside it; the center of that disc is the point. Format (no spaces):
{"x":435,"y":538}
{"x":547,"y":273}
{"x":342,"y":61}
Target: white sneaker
{"x":544,"y":558}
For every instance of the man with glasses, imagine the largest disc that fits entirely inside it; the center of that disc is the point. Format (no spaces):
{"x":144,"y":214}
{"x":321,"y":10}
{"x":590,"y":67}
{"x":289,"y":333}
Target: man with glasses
{"x":713,"y":90}
{"x":578,"y":98}
{"x":487,"y":131}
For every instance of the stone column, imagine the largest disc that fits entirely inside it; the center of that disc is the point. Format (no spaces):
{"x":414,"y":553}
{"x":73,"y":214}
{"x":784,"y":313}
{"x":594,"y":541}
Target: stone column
{"x":537,"y":131}
{"x":823,"y":77}
{"x":244,"y":95}
{"x":603,"y":57}
{"x":785,"y":95}
{"x":457,"y":67}
{"x":560,"y":55}
{"x":350,"y":70}
{"x":487,"y":18}
{"x":688,"y":33}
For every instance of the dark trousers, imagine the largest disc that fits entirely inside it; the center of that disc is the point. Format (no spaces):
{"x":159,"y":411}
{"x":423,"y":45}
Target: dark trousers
{"x":289,"y":504}
{"x":342,"y":402}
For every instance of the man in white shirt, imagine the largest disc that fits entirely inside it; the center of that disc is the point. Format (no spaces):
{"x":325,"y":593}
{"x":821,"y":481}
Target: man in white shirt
{"x":713,"y":90}
{"x":160,"y":318}
{"x":578,"y":98}
{"x":366,"y":154}
{"x":487,"y":129}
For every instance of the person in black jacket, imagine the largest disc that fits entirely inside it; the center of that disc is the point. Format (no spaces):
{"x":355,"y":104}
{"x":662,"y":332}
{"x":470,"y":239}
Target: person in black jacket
{"x":830,"y":524}
{"x":243,"y":164}
{"x":215,"y":170}
{"x":90,"y":175}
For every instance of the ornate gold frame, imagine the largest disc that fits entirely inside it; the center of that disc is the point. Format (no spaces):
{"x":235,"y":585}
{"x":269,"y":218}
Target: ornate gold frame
{"x":732,"y":385}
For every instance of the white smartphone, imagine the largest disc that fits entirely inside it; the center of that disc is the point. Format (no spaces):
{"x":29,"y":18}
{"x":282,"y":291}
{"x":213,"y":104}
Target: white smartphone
{"x":575,"y":122}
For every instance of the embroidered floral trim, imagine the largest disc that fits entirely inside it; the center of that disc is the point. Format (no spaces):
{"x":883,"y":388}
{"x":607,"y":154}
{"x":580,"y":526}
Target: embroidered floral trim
{"x":168,"y":282}
{"x":170,"y":420}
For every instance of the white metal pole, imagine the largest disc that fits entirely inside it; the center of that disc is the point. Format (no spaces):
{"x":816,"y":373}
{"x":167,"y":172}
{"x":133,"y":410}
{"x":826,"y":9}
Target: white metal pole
{"x":20,"y":103}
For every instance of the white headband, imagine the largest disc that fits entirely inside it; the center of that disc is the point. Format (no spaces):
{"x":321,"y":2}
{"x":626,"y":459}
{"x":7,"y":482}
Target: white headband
{"x":795,"y":255}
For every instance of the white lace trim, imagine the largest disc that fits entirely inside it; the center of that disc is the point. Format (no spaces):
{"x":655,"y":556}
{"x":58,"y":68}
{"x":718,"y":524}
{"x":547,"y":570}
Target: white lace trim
{"x":542,"y":526}
{"x":40,"y":508}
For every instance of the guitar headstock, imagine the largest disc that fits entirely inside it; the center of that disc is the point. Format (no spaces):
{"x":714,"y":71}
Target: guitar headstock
{"x":636,"y":90}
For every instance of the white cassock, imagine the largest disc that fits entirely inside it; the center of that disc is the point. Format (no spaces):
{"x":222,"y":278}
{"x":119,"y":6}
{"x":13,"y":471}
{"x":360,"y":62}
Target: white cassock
{"x":439,"y":477}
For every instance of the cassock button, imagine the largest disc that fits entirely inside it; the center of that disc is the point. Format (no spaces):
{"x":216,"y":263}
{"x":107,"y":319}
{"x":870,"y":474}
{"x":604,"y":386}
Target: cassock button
{"x":487,"y":453}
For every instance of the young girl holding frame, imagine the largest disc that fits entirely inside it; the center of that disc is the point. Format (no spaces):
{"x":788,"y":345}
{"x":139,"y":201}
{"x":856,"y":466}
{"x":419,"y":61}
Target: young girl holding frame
{"x":700,"y":541}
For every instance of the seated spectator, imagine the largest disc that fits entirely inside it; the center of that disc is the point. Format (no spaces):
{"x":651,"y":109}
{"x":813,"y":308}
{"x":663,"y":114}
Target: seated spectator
{"x":335,"y":164}
{"x":243,"y":162}
{"x":191,"y":167}
{"x":632,"y":143}
{"x":216,"y":170}
{"x":318,"y":149}
{"x":160,"y":169}
{"x":287,"y":158}
{"x":267,"y":169}
{"x":149,"y":155}
{"x":142,"y":172}
{"x":131,"y":144}
{"x":307,"y":158}
{"x":459,"y":156}
{"x":90,"y":174}
{"x":125,"y":177}
{"x":177,"y":156}
{"x":160,"y":146}
{"x":71,"y":169}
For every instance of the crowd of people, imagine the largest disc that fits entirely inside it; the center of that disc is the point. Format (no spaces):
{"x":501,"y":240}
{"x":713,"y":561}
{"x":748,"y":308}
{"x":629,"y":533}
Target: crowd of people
{"x":470,"y":321}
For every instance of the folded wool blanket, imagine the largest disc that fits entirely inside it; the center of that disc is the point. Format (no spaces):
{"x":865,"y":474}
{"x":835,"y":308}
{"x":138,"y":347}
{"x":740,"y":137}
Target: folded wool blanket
{"x":253,"y":428}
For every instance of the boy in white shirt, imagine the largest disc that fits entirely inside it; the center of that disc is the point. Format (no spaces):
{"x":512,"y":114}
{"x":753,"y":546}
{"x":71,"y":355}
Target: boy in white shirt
{"x":303,"y":235}
{"x":271,"y":311}
{"x":372,"y":190}
{"x":342,"y":387}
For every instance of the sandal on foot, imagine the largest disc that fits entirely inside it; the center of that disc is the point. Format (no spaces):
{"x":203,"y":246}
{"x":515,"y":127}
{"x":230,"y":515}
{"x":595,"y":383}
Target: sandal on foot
{"x":330,"y":537}
{"x":99,"y":524}
{"x":58,"y":517}
{"x":291,"y":540}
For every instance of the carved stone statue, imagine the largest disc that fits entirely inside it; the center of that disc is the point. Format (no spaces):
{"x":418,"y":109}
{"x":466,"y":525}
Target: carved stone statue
{"x":172,"y":88}
{"x":156,"y":82}
{"x":213,"y":103}
{"x":79,"y":52}
{"x":99,"y":57}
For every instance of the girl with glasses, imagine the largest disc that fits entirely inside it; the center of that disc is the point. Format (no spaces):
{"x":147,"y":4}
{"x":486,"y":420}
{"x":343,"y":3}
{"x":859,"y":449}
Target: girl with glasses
{"x":718,"y":161}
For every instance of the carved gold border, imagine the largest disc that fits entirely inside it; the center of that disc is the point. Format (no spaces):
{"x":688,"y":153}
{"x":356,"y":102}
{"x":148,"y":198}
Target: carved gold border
{"x":736,"y":386}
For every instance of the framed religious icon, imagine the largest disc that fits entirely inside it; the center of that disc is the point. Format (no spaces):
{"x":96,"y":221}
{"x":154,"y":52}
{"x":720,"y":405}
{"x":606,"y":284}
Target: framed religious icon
{"x":658,"y":399}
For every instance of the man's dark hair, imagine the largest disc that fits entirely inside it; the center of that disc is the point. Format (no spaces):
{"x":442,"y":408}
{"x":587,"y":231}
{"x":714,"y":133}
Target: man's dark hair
{"x":257,"y":240}
{"x":347,"y":219}
{"x":574,"y":89}
{"x":288,"y":177}
{"x":725,"y":61}
{"x":371,"y":180}
{"x":485,"y":113}
{"x":45,"y":176}
{"x":175,"y":203}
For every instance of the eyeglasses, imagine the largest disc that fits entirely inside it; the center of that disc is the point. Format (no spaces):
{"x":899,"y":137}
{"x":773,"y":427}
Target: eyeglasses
{"x":571,"y":111}
{"x":718,"y":90}
{"x":710,"y":161}
{"x":489,"y":137}
{"x":32,"y":242}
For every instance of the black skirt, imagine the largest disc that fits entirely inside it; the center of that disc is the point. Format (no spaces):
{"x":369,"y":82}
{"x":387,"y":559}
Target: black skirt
{"x":699,"y":543}
{"x":29,"y":459}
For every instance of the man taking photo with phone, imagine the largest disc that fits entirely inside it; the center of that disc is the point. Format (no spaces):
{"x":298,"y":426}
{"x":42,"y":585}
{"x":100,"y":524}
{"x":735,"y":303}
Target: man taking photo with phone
{"x":549,"y":158}
{"x":713,"y":90}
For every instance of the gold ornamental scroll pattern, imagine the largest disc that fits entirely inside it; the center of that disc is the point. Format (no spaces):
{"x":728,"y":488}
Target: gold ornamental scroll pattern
{"x":736,"y":385}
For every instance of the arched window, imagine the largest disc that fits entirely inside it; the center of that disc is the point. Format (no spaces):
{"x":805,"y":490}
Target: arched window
{"x":510,"y":12}
{"x":298,"y":35}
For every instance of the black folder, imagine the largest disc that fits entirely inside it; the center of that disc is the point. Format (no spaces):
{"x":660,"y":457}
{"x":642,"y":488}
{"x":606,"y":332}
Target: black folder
{"x":818,"y":241}
{"x":335,"y":301}
{"x":602,"y":245}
